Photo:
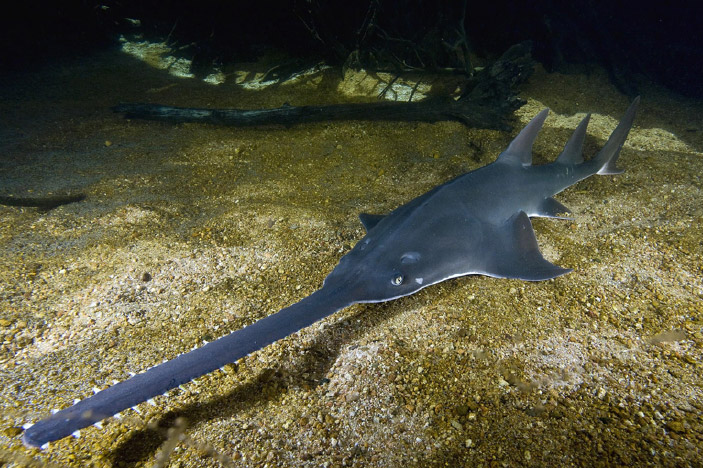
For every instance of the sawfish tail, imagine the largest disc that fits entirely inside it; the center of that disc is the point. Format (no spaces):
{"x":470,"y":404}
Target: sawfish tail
{"x":604,"y":162}
{"x":572,"y":166}
{"x":184,"y":368}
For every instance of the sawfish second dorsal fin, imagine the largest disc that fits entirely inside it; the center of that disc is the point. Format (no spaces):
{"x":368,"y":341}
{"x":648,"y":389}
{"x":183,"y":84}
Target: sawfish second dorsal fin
{"x":520,"y":149}
{"x":573,"y":151}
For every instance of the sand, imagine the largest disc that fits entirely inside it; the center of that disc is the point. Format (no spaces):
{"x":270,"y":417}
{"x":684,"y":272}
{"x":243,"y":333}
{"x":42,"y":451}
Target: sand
{"x":191,"y":231}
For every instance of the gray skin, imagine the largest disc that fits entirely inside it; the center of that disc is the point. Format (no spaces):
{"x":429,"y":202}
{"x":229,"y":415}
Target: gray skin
{"x":477,"y":223}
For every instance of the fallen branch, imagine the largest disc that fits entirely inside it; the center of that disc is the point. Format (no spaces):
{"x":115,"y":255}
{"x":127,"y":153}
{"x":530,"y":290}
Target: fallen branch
{"x":489,"y":103}
{"x":43,"y":203}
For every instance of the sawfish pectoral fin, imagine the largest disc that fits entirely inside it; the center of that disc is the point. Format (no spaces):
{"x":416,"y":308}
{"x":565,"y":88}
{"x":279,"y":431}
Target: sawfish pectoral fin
{"x":514,"y":252}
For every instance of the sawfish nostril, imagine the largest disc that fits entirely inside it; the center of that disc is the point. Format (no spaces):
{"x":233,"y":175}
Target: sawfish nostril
{"x":410,"y":257}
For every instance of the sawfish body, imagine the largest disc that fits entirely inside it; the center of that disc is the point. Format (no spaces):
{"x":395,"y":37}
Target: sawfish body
{"x":477,"y":223}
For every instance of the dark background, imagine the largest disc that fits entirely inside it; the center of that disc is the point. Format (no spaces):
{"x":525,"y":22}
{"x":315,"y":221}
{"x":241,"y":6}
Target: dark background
{"x":658,"y":41}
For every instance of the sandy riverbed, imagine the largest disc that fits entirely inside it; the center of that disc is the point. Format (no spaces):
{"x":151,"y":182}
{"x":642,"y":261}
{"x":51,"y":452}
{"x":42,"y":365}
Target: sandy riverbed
{"x":190,"y":231}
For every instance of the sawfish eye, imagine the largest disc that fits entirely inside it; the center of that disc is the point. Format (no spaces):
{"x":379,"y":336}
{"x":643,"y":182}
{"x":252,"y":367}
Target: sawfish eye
{"x":397,"y":280}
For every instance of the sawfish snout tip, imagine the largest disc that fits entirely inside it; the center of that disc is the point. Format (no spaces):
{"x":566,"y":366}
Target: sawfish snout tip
{"x":30,"y":444}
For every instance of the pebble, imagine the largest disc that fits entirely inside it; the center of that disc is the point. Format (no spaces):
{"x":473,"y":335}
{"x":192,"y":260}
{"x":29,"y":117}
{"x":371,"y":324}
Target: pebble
{"x":676,"y":426}
{"x":12,"y":431}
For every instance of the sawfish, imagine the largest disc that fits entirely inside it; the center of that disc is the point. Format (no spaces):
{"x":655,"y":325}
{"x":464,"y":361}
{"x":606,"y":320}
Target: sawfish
{"x":475,"y":224}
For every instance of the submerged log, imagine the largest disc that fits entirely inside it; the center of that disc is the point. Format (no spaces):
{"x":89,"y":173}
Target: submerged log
{"x":43,"y":203}
{"x":431,"y":110}
{"x":488,"y":103}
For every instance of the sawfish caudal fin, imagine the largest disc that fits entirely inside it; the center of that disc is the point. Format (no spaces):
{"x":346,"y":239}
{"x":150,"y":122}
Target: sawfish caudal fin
{"x":186,"y":367}
{"x":606,"y":158}
{"x":520,"y":149}
{"x":515,"y":253}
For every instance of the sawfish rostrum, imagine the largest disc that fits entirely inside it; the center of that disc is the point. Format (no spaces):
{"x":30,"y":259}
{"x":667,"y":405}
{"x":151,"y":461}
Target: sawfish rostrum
{"x":477,"y":223}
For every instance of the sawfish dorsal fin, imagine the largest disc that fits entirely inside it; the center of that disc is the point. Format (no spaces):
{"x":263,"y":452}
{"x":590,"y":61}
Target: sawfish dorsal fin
{"x":573,"y":151}
{"x":370,"y":220}
{"x":515,"y":253}
{"x":520,"y":149}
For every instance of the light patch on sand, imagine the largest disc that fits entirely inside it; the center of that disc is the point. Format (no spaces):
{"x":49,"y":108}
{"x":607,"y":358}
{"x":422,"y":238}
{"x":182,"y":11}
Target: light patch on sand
{"x":601,"y":126}
{"x":159,"y":55}
{"x":363,"y":83}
